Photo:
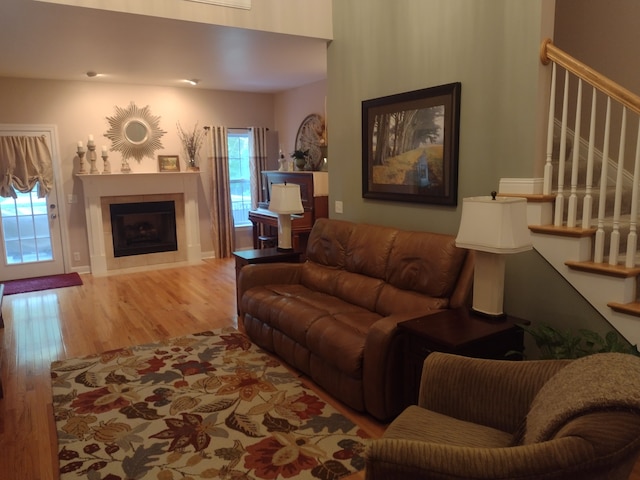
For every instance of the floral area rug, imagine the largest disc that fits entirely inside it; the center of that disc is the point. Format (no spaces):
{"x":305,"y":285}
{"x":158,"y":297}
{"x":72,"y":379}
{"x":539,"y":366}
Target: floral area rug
{"x":209,"y":405}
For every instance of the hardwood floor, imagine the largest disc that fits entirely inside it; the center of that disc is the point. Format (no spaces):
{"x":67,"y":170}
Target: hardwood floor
{"x":105,"y":313}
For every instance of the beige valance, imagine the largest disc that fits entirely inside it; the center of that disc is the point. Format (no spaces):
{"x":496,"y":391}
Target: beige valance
{"x":24,"y":162}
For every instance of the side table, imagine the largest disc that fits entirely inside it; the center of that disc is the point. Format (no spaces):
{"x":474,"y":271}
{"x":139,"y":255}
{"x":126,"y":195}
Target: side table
{"x":262,"y":255}
{"x":457,"y":331}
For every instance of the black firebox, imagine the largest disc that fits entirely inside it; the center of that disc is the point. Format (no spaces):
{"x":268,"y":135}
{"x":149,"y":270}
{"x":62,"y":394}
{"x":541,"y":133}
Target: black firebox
{"x":144,"y":227}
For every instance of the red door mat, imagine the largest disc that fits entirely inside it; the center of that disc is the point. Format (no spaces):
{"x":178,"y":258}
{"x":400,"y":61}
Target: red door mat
{"x":42,"y":283}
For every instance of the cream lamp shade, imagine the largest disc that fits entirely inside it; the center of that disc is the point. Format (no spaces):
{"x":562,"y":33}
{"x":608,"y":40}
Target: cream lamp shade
{"x":285,"y":201}
{"x":492,"y":226}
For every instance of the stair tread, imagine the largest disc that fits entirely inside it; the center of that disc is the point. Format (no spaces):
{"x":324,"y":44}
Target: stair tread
{"x":604,"y":268}
{"x":565,"y":231}
{"x":631,"y":308}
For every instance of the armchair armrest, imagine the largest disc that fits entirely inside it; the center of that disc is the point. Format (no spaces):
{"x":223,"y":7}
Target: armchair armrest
{"x":399,"y":459}
{"x":495,"y":393}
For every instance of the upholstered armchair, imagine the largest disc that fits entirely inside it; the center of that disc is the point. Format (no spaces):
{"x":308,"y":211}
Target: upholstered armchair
{"x":496,"y":419}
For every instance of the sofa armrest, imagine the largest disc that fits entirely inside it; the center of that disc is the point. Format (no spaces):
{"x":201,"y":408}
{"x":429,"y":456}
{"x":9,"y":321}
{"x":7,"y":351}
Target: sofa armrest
{"x":256,"y":275}
{"x":397,"y":459}
{"x":495,"y":393}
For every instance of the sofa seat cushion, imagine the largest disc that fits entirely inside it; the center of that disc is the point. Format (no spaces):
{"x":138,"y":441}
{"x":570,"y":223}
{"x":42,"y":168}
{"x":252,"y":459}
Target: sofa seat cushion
{"x":339,"y":340}
{"x":331,"y":328}
{"x":423,"y":425}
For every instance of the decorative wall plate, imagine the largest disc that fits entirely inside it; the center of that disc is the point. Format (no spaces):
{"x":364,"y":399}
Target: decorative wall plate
{"x":310,"y":137}
{"x":134,"y":132}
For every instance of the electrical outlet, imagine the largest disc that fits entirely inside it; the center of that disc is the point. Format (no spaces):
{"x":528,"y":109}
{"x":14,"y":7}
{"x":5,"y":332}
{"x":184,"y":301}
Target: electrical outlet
{"x":76,"y":256}
{"x":338,"y":206}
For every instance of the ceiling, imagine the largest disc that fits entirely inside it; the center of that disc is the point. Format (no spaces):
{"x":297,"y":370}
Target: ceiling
{"x":50,"y":41}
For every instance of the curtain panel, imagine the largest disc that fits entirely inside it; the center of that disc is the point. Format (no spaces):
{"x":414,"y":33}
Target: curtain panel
{"x":257,"y":162}
{"x":24,"y":162}
{"x":220,"y":208}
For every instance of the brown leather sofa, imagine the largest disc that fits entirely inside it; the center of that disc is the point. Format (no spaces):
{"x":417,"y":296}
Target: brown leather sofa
{"x":334,"y":316}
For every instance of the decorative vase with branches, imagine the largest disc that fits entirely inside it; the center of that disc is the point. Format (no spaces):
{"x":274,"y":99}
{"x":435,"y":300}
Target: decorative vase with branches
{"x":191,"y":143}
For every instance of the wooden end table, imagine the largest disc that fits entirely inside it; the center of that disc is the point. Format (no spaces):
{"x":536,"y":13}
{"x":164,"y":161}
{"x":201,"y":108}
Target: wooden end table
{"x":262,"y":255}
{"x":457,"y":331}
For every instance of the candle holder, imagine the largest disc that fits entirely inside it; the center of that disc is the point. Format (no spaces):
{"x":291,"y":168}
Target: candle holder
{"x":107,"y":165}
{"x":91,"y":156}
{"x":81,"y":153}
{"x":125,"y":168}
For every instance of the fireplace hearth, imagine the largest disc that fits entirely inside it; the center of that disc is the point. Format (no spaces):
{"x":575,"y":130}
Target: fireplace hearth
{"x":143,"y":227}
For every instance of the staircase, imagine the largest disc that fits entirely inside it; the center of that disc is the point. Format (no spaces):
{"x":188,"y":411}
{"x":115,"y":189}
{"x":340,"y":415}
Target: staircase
{"x":584,"y":220}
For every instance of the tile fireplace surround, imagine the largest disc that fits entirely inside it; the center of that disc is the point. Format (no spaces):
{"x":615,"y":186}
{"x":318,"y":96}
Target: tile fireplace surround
{"x":102,"y":190}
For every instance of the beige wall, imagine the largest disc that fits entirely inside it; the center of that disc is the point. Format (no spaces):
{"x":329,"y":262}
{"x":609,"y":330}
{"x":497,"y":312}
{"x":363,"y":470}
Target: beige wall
{"x":291,"y":108}
{"x":80,"y":108}
{"x":295,"y":17}
{"x":604,"y":35}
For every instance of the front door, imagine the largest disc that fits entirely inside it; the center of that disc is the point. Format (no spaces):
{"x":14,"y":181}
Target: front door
{"x":30,"y":231}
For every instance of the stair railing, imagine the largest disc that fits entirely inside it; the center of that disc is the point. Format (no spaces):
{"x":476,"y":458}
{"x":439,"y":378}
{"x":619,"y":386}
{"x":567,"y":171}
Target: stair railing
{"x":601,"y":85}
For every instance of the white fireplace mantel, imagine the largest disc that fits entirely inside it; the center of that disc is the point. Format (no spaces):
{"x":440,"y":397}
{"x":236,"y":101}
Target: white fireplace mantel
{"x":96,"y":186}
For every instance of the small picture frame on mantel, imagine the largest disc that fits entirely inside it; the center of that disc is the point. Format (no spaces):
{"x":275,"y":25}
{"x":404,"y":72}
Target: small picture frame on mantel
{"x":168,"y":163}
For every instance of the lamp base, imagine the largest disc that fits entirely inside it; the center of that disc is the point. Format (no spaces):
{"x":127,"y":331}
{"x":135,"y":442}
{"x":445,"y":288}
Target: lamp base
{"x":495,"y":317}
{"x":488,"y":284}
{"x":284,"y":232}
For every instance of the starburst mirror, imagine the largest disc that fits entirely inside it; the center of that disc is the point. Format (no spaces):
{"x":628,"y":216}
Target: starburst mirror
{"x":134,"y":132}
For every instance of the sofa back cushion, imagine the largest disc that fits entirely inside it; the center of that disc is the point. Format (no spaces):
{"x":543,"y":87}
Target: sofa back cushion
{"x":380,"y":268}
{"x":327,"y":242}
{"x":424,"y":262}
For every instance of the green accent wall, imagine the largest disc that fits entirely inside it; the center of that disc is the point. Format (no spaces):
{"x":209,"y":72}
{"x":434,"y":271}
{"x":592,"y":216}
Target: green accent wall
{"x":384,"y":47}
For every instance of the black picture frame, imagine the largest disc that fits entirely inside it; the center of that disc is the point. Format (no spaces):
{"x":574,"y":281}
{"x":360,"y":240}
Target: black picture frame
{"x":410,"y":146}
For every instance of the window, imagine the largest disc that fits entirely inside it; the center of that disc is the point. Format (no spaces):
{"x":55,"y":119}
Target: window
{"x":239,"y":177}
{"x":25,"y":228}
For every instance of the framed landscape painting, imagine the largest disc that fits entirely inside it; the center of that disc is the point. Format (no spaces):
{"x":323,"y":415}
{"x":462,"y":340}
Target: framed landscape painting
{"x":410,"y":146}
{"x":168,"y":163}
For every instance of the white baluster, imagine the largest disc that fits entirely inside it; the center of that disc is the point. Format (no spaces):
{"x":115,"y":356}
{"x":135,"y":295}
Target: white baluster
{"x":587,"y":205}
{"x":602,"y":203}
{"x":572,"y":210}
{"x":632,"y":239}
{"x":559,"y":213}
{"x":614,"y":248}
{"x":548,"y":166}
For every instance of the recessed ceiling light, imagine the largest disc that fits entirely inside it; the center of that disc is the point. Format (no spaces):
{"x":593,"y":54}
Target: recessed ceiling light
{"x":193,"y":81}
{"x":91,"y":74}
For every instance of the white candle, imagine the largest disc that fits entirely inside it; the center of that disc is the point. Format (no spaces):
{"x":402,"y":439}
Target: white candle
{"x":80,"y":144}
{"x":91,"y":138}
{"x":104,"y":148}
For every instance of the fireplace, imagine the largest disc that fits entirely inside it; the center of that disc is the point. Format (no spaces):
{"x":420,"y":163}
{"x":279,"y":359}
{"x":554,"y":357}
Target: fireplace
{"x":102,"y":191}
{"x":143,"y":227}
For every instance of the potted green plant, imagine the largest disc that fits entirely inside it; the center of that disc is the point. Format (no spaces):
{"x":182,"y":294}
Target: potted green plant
{"x":300,"y":157}
{"x":555,"y":343}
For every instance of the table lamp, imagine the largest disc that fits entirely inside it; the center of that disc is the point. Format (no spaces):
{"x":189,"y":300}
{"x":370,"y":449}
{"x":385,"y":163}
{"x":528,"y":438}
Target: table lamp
{"x":492,"y":227}
{"x":285,"y":201}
